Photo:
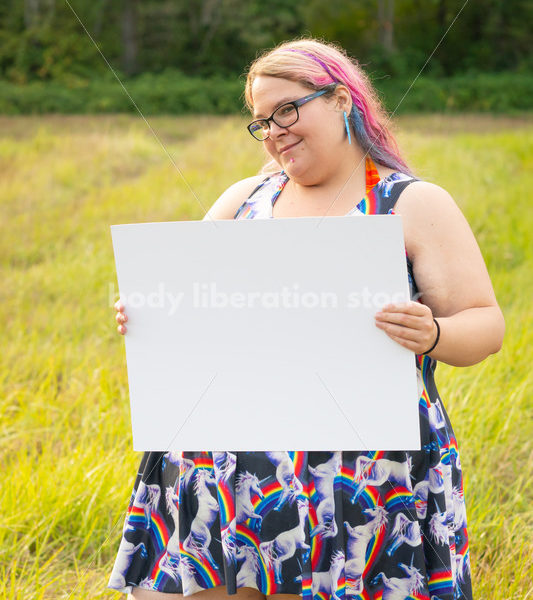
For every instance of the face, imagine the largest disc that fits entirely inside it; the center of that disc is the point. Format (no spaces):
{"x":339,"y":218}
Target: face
{"x":316,"y":141}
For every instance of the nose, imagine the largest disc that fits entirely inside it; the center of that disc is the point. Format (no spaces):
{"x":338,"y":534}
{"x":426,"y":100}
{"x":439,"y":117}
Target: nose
{"x":276,"y":130}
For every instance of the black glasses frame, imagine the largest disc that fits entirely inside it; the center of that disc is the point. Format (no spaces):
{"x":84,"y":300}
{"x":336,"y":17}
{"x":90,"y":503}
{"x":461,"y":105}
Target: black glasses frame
{"x":295,"y":103}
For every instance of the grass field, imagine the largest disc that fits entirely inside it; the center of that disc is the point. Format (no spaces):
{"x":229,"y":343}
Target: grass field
{"x":65,"y":438}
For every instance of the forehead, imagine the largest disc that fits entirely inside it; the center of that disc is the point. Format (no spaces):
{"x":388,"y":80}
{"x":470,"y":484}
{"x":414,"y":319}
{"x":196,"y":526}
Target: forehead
{"x":269,"y":92}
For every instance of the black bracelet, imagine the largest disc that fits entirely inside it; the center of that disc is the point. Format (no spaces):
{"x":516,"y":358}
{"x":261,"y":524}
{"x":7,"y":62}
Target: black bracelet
{"x":436,"y":340}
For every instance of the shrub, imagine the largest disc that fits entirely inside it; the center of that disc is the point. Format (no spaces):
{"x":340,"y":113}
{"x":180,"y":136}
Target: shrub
{"x":171,"y":92}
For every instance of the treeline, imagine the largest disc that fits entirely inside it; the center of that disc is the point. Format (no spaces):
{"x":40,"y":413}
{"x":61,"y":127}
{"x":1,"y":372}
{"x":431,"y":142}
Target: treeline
{"x":44,"y":40}
{"x":182,"y":56}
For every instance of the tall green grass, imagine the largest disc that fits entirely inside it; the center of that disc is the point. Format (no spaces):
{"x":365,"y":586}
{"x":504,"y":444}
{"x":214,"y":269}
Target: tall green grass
{"x":65,"y":440}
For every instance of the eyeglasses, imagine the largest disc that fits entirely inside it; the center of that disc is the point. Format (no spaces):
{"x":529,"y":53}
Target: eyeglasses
{"x":284,"y":116}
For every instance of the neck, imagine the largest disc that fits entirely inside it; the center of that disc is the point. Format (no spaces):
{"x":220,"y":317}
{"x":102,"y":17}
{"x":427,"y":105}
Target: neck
{"x":336,"y":175}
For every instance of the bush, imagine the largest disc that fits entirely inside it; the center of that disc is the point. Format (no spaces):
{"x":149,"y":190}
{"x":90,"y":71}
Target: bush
{"x":172,"y":92}
{"x":476,"y":92}
{"x":166,"y":93}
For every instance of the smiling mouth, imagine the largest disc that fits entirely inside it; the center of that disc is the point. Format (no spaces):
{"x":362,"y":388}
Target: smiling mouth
{"x":289,"y":147}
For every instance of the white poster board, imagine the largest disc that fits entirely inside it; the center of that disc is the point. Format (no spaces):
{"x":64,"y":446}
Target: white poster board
{"x":256,"y":335}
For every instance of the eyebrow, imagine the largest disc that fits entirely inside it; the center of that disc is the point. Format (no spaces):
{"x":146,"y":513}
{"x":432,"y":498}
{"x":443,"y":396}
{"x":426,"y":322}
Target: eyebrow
{"x":281,"y":102}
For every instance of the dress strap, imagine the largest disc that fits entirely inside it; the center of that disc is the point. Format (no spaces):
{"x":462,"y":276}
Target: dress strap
{"x":256,"y":203}
{"x":390,"y":201}
{"x":383,"y":196}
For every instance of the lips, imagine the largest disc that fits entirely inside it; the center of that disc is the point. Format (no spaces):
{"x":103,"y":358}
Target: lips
{"x":285,"y":148}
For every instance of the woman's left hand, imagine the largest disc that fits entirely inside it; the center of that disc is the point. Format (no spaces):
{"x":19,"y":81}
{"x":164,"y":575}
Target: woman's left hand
{"x":408,"y":323}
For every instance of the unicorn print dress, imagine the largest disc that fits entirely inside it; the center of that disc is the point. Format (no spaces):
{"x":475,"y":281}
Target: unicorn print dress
{"x":323,"y":525}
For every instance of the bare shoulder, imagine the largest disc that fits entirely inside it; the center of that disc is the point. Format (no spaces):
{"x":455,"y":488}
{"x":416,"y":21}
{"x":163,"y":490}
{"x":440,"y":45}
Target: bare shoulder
{"x":429,"y":213}
{"x":423,"y":199}
{"x":231,"y":199}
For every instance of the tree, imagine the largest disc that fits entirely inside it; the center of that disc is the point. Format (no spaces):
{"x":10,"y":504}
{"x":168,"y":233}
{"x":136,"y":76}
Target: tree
{"x":128,"y":27}
{"x":38,"y":12}
{"x":386,"y":24}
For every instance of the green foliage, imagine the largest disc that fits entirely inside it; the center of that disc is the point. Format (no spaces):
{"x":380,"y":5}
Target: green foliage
{"x":189,"y":56}
{"x":53,"y":46}
{"x":477,"y":92}
{"x":172,"y":92}
{"x":43,"y":39}
{"x":168,"y":93}
{"x":492,"y":36}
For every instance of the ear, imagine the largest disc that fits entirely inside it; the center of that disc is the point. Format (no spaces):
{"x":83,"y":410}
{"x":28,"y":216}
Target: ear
{"x":343,"y":99}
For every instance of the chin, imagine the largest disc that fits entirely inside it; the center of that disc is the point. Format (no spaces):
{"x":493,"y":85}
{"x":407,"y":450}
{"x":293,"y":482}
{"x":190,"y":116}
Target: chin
{"x":292,"y":167}
{"x":296,"y":160}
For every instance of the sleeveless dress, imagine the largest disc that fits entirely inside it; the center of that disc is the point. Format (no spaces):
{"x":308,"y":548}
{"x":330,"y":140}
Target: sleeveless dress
{"x":340,"y":525}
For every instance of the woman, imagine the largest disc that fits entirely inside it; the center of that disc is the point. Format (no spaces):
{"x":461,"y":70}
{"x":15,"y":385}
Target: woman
{"x":359,"y":524}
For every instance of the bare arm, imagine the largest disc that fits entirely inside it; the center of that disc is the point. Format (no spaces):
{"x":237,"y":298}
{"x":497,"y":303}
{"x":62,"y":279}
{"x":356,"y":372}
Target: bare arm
{"x":453,"y":280}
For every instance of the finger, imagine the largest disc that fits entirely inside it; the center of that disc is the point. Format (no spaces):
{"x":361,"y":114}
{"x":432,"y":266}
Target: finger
{"x":414,"y":308}
{"x":421,"y":339}
{"x":120,"y":318}
{"x":119,"y":306}
{"x":401,"y":318}
{"x":409,"y":344}
{"x":121,"y":329}
{"x":400,"y":331}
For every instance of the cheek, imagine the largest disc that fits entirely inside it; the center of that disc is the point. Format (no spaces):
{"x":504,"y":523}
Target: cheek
{"x":318,"y":143}
{"x":270,"y":148}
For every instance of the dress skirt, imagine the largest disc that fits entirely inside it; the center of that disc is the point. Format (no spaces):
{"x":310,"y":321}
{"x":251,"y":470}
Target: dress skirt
{"x":360,"y":525}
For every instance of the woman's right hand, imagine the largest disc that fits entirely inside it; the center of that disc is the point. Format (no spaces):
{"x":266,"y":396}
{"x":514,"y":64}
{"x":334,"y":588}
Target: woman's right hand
{"x":121,"y":317}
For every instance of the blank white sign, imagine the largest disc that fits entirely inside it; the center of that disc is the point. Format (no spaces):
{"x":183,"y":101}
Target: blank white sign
{"x":254,"y":335}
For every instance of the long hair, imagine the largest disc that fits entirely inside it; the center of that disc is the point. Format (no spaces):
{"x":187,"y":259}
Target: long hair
{"x":315,"y":64}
